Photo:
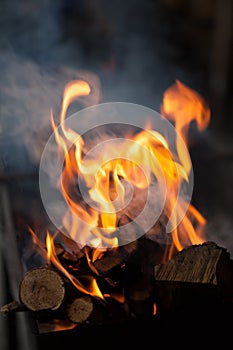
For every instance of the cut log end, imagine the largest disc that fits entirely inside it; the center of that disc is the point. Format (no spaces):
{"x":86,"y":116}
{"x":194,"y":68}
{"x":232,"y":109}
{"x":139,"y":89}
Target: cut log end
{"x":80,"y":309}
{"x":42,"y":289}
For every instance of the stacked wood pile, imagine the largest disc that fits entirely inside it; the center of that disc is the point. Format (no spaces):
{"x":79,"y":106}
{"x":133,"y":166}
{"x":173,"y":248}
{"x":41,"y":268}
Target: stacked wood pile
{"x":133,"y":281}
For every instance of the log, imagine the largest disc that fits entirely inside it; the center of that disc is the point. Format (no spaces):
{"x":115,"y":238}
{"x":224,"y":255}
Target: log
{"x":69,"y":252}
{"x":14,"y":305}
{"x":114,"y":258}
{"x":69,"y":244}
{"x":129,"y":270}
{"x":42,"y":289}
{"x":139,"y":277}
{"x":148,"y":254}
{"x":80,"y":309}
{"x":85,"y":310}
{"x":197,"y":274}
{"x":139,"y":298}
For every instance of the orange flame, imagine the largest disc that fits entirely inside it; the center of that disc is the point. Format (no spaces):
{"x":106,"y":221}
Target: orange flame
{"x":154,"y":309}
{"x":91,"y":288}
{"x":183,"y":105}
{"x":149,"y":151}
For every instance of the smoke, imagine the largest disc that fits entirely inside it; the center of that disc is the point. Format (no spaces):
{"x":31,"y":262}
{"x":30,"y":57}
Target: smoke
{"x":28,"y":93}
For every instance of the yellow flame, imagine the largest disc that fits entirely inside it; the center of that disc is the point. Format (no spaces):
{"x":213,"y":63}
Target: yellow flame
{"x":183,"y":105}
{"x":149,"y":152}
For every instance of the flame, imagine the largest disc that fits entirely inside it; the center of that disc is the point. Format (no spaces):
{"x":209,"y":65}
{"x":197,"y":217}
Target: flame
{"x":119,"y":297}
{"x":91,"y":287}
{"x":183,"y":105}
{"x":154,"y":309}
{"x":48,"y":252}
{"x":55,"y":325}
{"x":107,"y":177}
{"x":149,"y":151}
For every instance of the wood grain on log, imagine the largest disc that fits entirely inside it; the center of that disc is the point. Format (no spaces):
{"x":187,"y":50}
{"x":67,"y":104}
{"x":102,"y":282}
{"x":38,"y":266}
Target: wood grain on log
{"x":42,"y":289}
{"x":80,"y":309}
{"x":199,"y":271}
{"x":85,"y":309}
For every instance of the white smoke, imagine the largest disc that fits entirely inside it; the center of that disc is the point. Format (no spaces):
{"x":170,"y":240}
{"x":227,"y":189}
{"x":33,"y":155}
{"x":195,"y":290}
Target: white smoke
{"x":28,"y":93}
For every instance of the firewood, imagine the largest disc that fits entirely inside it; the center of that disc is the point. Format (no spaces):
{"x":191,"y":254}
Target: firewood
{"x":14,"y":305}
{"x":114,"y":258}
{"x":197,"y":273}
{"x":70,"y":244}
{"x":42,"y":289}
{"x":107,"y":264}
{"x":139,"y":297}
{"x":148,"y":254}
{"x":59,"y":249}
{"x":67,"y":249}
{"x":85,"y":310}
{"x":80,"y":309}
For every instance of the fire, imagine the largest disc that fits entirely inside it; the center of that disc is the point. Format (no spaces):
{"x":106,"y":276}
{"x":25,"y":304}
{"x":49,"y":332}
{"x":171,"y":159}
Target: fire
{"x":182,"y":105}
{"x":48,"y":253}
{"x":134,"y":162}
{"x":105,"y":175}
{"x":91,"y":286}
{"x":154,"y":309}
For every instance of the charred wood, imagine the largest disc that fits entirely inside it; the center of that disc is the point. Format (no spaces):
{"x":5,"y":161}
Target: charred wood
{"x":139,"y":297}
{"x":114,"y":258}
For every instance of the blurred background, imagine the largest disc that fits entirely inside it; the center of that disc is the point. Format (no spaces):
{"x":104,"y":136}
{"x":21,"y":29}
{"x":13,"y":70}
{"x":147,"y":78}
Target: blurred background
{"x":129,"y":51}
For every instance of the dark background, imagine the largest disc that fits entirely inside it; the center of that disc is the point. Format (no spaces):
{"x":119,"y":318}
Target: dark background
{"x":131,"y":51}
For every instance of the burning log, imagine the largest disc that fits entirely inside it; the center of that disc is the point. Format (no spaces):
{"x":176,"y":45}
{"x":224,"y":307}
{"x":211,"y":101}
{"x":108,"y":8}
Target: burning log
{"x":114,"y":258}
{"x":197,"y":273}
{"x":70,"y":245}
{"x":42,"y":289}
